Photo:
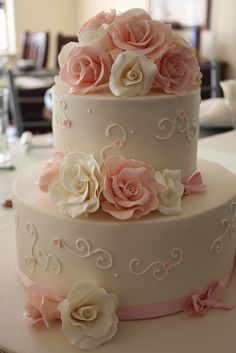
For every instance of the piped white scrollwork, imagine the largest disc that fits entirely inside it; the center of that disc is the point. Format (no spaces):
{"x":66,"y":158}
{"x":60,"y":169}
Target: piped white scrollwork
{"x":16,"y":214}
{"x":160,"y":269}
{"x":228,"y":225}
{"x":180,"y":123}
{"x":118,"y":141}
{"x":61,"y":117}
{"x":84,"y":250}
{"x":67,"y":148}
{"x":38,"y":257}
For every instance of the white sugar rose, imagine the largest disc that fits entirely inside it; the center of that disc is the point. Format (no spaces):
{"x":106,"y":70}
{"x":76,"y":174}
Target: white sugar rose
{"x":64,"y":53}
{"x":132,"y":74}
{"x":88,"y":316}
{"x":63,"y":58}
{"x":169,"y":191}
{"x":98,"y":38}
{"x":77,"y":188}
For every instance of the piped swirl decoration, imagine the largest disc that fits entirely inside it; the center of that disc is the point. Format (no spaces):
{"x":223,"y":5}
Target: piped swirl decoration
{"x":17,"y":220}
{"x":38,"y":257}
{"x":166,"y":127}
{"x":228,"y":225}
{"x":118,"y":141}
{"x":67,"y":148}
{"x":84,"y":250}
{"x":61,"y":118}
{"x":160,"y":270}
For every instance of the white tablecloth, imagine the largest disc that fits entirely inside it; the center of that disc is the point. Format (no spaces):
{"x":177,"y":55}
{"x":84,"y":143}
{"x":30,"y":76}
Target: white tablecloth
{"x":219,"y":148}
{"x":21,"y":159}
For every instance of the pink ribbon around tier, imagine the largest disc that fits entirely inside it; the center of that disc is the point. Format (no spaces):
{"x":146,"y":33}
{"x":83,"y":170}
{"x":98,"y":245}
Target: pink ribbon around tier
{"x":197,"y":303}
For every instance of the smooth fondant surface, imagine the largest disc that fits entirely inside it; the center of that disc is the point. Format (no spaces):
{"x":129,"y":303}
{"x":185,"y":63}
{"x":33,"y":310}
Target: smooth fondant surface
{"x":180,"y":333}
{"x":147,"y":128}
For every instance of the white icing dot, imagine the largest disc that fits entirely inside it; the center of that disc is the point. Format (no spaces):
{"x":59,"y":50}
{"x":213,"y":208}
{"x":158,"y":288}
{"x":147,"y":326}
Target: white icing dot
{"x":116,"y":275}
{"x":131,"y":132}
{"x":89,"y":111}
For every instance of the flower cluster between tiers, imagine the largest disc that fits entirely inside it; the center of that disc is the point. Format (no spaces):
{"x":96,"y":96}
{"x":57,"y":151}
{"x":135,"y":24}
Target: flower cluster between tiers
{"x":130,"y":53}
{"x":124,"y":188}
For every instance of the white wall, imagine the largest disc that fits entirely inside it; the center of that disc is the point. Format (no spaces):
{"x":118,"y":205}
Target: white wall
{"x":45,"y":15}
{"x":88,"y":8}
{"x":222,"y":43}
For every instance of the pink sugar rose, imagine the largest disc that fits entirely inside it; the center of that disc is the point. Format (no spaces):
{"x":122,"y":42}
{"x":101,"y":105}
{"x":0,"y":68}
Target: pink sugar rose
{"x":50,"y":171}
{"x":97,"y":21}
{"x":129,"y":189}
{"x":135,"y":30}
{"x":178,"y":70}
{"x":87,"y":67}
{"x":41,"y":306}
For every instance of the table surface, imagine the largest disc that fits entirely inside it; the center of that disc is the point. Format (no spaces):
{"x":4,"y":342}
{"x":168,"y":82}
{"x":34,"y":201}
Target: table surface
{"x":219,"y":148}
{"x":21,"y":159}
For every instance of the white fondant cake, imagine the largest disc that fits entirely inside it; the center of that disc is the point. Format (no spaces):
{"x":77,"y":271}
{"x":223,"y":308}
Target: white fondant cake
{"x":119,"y":224}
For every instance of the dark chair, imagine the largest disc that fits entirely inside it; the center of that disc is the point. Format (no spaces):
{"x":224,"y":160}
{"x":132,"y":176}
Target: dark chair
{"x":61,"y":41}
{"x":29,"y":84}
{"x":27,"y":108}
{"x":35,"y":47}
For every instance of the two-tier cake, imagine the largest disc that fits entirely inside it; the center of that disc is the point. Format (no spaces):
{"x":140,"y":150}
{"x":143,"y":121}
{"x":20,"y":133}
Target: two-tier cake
{"x":124,"y":222}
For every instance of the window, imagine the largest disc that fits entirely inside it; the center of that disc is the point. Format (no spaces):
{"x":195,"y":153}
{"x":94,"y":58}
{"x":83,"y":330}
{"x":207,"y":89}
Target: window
{"x":186,"y":13}
{"x":3,"y":28}
{"x":7,"y":31}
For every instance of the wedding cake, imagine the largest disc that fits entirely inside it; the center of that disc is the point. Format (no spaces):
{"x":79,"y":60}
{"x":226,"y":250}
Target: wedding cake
{"x":124,"y":223}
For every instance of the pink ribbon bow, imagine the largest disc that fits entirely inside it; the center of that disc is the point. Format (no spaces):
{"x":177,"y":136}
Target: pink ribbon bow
{"x":200,"y":303}
{"x":193,"y":183}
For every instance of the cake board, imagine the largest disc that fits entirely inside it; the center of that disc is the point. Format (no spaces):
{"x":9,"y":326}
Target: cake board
{"x":179,"y":333}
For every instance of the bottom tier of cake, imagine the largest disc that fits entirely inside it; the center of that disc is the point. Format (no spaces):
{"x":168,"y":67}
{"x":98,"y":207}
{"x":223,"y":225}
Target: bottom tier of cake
{"x":214,"y":332}
{"x":154,"y":265}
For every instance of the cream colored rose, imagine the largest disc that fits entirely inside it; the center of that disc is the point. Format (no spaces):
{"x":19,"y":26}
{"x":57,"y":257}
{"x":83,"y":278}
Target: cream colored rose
{"x":88,"y":316}
{"x":64,"y":53}
{"x":98,"y":38}
{"x":169,"y":191}
{"x":77,"y":188}
{"x":132,"y":74}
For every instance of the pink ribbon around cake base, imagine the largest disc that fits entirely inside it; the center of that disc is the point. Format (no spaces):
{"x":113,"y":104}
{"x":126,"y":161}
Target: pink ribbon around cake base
{"x":197,"y":303}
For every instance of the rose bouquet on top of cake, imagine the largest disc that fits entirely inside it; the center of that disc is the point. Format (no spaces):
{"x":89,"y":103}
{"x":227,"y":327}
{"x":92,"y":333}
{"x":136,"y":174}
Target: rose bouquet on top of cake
{"x":130,"y":53}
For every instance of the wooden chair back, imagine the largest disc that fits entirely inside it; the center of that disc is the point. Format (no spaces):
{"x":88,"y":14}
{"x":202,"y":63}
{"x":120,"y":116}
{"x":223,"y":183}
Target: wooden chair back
{"x":30,"y":101}
{"x":35,"y":47}
{"x":61,"y":41}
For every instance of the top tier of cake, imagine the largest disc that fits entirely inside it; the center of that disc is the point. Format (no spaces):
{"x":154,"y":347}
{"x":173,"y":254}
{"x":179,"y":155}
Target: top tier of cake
{"x":128,"y":87}
{"x":125,"y":119}
{"x":161,"y":130}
